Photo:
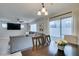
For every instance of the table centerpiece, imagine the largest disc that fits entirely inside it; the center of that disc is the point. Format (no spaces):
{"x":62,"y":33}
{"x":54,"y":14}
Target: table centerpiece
{"x":61,"y":44}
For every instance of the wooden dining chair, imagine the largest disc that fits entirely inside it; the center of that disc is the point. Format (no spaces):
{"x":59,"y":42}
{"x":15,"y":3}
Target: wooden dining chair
{"x":37,"y":41}
{"x":47,"y":38}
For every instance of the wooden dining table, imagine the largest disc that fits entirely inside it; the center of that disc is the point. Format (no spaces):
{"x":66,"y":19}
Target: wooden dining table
{"x":52,"y":50}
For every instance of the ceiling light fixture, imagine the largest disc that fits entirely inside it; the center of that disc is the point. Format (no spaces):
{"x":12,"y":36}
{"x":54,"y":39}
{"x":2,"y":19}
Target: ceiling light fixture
{"x":43,"y":10}
{"x":39,"y":12}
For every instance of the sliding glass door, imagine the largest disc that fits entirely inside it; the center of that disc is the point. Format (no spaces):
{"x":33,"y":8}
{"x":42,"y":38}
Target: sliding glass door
{"x":59,"y":28}
{"x":66,"y":26}
{"x":55,"y":29}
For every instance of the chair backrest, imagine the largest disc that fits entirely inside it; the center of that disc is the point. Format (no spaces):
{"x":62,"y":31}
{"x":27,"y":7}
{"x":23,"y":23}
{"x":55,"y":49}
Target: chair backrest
{"x":37,"y":40}
{"x":71,"y":39}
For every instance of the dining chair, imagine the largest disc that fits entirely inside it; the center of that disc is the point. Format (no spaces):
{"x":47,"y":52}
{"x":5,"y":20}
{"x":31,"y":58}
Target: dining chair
{"x":37,"y":41}
{"x":47,"y":39}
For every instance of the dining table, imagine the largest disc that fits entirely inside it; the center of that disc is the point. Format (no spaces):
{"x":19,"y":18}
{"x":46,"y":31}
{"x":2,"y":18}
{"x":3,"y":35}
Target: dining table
{"x":52,"y":50}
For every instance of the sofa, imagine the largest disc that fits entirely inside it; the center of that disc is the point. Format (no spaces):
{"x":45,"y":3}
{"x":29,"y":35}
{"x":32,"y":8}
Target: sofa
{"x":5,"y":47}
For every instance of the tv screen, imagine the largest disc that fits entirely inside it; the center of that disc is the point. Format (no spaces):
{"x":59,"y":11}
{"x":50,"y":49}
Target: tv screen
{"x":13,"y":26}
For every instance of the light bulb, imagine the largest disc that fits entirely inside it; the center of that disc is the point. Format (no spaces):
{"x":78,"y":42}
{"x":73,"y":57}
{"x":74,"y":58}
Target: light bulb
{"x":43,"y":10}
{"x":39,"y":13}
{"x":46,"y":13}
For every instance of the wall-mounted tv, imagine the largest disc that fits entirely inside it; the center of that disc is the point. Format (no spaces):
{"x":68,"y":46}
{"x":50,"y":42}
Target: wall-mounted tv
{"x":13,"y":26}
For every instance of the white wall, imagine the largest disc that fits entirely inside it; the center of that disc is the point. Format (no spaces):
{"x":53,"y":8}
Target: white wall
{"x":5,"y":34}
{"x":44,"y":21}
{"x":75,"y":15}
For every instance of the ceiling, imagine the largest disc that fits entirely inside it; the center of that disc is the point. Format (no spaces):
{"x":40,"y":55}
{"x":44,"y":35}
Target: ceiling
{"x":28,"y":11}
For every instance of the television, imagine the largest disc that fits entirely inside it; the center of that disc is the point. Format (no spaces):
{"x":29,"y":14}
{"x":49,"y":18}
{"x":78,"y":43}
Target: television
{"x":13,"y":26}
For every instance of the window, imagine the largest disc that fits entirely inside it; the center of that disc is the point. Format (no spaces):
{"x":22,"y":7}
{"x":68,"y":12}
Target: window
{"x":59,"y":28}
{"x":66,"y":26}
{"x":55,"y":29}
{"x":33,"y":28}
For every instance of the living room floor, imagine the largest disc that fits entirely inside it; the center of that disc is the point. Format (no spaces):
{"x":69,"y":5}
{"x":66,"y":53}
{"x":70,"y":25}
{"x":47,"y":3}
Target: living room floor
{"x":52,"y":50}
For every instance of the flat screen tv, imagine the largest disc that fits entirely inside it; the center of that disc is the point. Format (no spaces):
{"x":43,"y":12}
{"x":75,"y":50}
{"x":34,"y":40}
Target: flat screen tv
{"x":13,"y":26}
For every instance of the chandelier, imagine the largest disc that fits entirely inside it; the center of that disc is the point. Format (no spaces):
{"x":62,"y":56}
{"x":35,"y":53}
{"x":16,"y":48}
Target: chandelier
{"x":42,"y":11}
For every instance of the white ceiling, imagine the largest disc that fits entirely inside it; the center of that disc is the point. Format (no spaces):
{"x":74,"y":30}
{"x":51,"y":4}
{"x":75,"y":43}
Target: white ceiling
{"x":28,"y":11}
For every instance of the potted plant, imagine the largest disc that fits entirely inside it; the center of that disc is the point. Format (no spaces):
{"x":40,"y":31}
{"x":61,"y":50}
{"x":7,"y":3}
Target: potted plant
{"x":61,"y":44}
